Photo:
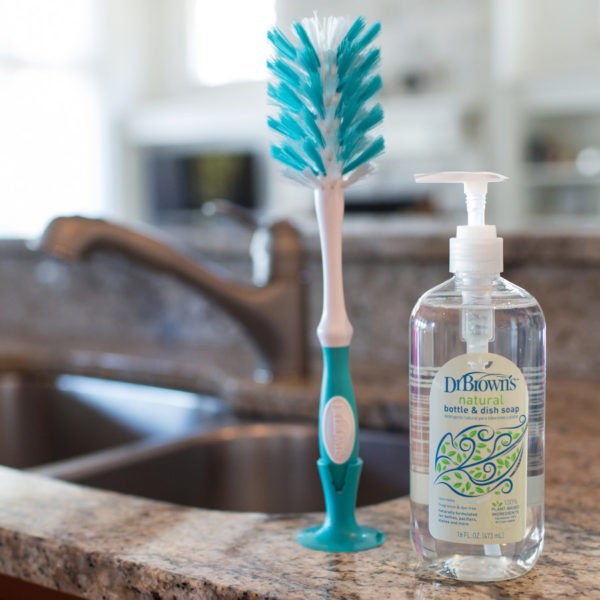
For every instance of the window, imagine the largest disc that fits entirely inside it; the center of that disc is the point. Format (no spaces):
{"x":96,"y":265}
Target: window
{"x":227,"y":40}
{"x":51,"y":128}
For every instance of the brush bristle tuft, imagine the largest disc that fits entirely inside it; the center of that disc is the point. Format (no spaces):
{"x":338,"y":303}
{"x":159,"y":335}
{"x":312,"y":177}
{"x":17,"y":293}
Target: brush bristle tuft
{"x":324,"y":83}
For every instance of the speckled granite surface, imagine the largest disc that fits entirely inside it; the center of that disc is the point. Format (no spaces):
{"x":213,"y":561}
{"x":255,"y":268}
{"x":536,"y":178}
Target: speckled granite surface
{"x":101,"y":545}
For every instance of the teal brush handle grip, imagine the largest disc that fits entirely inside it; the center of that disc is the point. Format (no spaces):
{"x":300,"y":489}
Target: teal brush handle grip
{"x":338,"y":435}
{"x":339,"y":465}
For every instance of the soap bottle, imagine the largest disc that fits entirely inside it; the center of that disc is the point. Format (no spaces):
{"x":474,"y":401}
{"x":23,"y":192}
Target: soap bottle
{"x":477,"y":399}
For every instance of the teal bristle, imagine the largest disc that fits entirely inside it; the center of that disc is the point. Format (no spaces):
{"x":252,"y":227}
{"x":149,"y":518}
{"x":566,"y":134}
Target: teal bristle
{"x":368,"y":62}
{"x":314,"y":154}
{"x":285,"y":97}
{"x":350,"y":105}
{"x":307,"y":54}
{"x":374,"y":149}
{"x":368,"y":88}
{"x":291,"y":158}
{"x":310,"y":121}
{"x":353,"y":31}
{"x":314,"y":93}
{"x":283,"y":70}
{"x":281,"y":43}
{"x":351,"y":50}
{"x":324,"y":86}
{"x":369,"y":119}
{"x":287,"y":127}
{"x":355,"y":137}
{"x":366,"y":39}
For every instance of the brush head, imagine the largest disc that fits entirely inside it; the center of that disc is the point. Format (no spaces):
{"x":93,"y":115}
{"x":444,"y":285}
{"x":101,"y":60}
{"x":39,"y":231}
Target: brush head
{"x":324,"y":87}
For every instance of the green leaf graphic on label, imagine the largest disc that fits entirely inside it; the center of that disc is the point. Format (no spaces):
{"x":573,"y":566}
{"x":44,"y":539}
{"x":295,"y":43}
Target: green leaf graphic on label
{"x":480,"y":459}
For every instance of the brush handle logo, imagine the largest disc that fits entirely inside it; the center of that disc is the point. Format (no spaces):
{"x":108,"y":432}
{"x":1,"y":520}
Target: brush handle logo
{"x":338,"y":429}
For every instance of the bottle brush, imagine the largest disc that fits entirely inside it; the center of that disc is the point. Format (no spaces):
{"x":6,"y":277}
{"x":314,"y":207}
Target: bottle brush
{"x":324,"y":87}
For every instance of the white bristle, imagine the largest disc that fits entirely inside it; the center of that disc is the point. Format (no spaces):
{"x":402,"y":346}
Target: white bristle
{"x":359,"y":173}
{"x":327,"y":33}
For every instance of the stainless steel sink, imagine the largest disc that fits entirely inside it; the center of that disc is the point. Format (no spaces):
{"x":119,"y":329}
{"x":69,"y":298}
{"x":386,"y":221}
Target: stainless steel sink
{"x":266,"y":467}
{"x":47,"y":420}
{"x":176,"y":446}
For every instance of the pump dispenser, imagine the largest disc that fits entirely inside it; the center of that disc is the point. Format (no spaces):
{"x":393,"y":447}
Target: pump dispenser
{"x":476,"y":247}
{"x":477,"y":396}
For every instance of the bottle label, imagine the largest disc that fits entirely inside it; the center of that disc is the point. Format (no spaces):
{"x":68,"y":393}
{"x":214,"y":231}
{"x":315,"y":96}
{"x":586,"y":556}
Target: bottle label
{"x":478,"y":451}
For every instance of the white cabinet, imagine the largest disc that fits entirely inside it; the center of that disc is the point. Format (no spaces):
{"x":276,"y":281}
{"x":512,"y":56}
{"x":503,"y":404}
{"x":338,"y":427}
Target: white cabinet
{"x":545,"y":115}
{"x":562,"y":149}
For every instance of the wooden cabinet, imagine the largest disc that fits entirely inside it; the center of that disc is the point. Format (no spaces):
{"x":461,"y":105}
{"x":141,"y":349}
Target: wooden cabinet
{"x":17,"y":589}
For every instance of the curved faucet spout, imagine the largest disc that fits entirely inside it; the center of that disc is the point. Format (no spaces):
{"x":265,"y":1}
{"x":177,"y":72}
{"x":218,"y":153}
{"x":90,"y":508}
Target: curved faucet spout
{"x":273,"y":314}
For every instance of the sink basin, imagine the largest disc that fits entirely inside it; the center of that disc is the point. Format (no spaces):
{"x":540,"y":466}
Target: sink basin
{"x":48,"y":420}
{"x":264,"y":467}
{"x":176,"y":446}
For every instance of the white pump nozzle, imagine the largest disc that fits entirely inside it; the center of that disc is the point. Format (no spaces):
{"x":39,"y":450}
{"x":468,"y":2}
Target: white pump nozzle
{"x":476,"y":248}
{"x":475,"y":184}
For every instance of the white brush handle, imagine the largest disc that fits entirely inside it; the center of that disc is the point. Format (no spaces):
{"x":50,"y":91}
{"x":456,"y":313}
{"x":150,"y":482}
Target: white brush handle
{"x":334,"y":329}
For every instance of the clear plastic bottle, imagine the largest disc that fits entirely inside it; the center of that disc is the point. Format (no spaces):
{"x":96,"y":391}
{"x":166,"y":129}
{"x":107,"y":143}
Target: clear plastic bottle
{"x":477,"y":399}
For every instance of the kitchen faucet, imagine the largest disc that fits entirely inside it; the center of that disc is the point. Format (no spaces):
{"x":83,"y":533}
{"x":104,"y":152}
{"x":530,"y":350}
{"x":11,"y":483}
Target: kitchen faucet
{"x":271,"y":311}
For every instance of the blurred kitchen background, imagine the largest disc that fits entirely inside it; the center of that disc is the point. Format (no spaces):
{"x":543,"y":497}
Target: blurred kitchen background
{"x":142,"y":110}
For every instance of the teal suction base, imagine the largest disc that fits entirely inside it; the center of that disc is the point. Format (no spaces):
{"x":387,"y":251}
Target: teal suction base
{"x":330,"y":539}
{"x":340,"y":532}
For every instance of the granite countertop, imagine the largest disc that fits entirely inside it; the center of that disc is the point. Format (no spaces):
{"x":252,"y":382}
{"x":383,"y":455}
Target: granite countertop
{"x":97,"y":544}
